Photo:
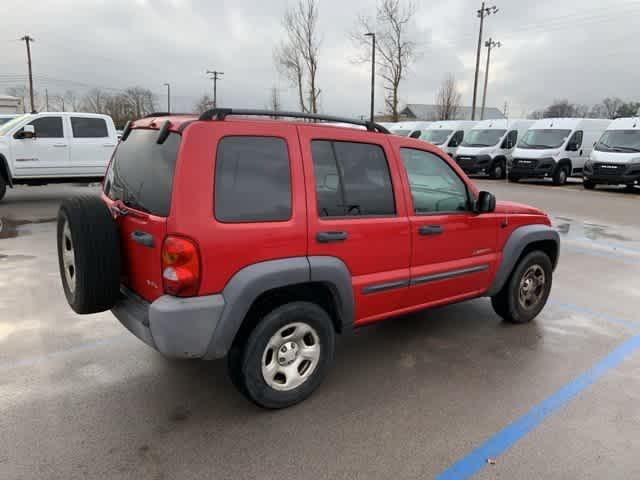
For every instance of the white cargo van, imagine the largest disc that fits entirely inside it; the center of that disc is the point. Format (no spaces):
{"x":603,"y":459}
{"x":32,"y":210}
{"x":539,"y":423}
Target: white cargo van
{"x":615,"y":159}
{"x":447,"y":134}
{"x":556,"y":147}
{"x":41,"y":148}
{"x":488,"y":146}
{"x":408,"y":129}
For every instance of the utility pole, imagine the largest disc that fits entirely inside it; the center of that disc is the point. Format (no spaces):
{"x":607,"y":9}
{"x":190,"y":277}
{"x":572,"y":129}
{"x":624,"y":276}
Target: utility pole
{"x":46,"y":98}
{"x":27,"y":39}
{"x":489,"y":44}
{"x":168,"y":97}
{"x":373,"y":70}
{"x":215,"y":76}
{"x":483,"y":12}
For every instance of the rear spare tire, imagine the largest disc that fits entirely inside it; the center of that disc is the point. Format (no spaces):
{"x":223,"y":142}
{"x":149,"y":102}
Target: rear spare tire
{"x":88,"y":254}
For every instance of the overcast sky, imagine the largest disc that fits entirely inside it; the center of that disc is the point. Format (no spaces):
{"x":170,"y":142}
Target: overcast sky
{"x":582,"y":50}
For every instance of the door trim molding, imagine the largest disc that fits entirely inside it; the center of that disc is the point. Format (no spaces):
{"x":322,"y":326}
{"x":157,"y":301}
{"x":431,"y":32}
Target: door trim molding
{"x":449,"y":274}
{"x":381,"y":287}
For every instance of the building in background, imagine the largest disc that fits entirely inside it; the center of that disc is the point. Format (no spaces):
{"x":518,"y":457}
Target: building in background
{"x":419,"y":111}
{"x":10,"y":104}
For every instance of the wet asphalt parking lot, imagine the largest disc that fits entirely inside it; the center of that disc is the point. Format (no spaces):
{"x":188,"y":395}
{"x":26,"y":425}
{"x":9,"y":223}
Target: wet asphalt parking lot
{"x":448,"y":393}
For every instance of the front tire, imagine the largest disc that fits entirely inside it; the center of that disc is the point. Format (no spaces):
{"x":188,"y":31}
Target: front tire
{"x":497,"y":170}
{"x":526,"y":291}
{"x":286,"y":356}
{"x":588,"y":184}
{"x":514,"y":179}
{"x":3,"y":187}
{"x":560,"y":175}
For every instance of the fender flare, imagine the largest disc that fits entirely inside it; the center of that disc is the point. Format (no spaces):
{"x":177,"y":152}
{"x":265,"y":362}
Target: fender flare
{"x":513,"y":248}
{"x":5,"y":171}
{"x":246,"y":285}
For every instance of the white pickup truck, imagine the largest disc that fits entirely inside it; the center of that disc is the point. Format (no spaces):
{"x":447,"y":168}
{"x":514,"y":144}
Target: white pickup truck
{"x":41,"y":148}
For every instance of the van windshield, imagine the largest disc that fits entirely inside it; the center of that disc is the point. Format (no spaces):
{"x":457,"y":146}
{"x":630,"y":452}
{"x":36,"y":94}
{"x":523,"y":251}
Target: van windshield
{"x":437,"y":137}
{"x":141,"y":172}
{"x":6,"y":127}
{"x":619,"y":141}
{"x":546,"y":138}
{"x":483,"y":138}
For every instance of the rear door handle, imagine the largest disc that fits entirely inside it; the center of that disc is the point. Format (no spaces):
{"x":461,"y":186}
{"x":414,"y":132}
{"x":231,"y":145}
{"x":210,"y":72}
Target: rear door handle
{"x":143,"y":238}
{"x":108,"y":144}
{"x":59,"y":144}
{"x":430,"y":230}
{"x":328,"y":237}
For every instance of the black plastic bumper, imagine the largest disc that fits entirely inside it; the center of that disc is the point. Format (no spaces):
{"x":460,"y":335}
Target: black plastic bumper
{"x":532,"y":168}
{"x":474,"y":163}
{"x":613,"y":174}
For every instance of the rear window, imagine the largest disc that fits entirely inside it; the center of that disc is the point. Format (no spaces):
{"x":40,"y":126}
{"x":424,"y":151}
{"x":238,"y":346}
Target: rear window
{"x":141,"y":173}
{"x":86,"y":127}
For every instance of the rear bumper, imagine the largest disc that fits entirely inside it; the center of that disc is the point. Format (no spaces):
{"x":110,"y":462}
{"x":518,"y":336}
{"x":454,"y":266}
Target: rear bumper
{"x":176,"y":327}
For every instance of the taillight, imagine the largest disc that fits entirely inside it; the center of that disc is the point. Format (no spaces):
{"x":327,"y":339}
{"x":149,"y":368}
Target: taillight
{"x":180,"y":267}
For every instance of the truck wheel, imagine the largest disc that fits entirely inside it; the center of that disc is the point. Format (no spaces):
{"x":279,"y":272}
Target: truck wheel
{"x":527,"y":289}
{"x":497,"y":170}
{"x":629,"y":188}
{"x":286,"y":356}
{"x":588,"y":184}
{"x":88,"y":254}
{"x":514,"y":179}
{"x":560,"y":175}
{"x":3,"y":187}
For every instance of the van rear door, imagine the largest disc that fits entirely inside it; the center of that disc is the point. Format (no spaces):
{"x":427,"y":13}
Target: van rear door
{"x":138,"y":188}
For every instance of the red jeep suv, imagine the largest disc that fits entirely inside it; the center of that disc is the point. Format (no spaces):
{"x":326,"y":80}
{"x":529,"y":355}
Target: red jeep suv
{"x":232,"y":234}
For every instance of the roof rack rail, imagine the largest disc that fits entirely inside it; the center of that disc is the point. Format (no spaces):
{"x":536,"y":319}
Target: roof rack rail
{"x":165,"y":114}
{"x":222,"y":113}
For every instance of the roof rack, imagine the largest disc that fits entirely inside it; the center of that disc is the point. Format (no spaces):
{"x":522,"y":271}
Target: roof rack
{"x":166,"y":114}
{"x":222,"y":113}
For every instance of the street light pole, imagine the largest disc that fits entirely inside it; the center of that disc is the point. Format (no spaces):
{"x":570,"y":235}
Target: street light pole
{"x":168,"y":97}
{"x":27,"y":39}
{"x":373,"y":71}
{"x":483,"y":12}
{"x":489,"y":44}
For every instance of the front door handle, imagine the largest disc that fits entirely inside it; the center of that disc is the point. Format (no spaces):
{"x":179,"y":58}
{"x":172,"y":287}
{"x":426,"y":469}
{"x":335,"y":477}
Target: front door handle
{"x":143,"y":238}
{"x":328,"y":237}
{"x":430,"y":230}
{"x":59,"y":144}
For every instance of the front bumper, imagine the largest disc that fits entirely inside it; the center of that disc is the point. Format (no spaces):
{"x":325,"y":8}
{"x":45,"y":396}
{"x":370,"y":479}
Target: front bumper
{"x":612,"y":173}
{"x":176,"y":327}
{"x":532,"y":168}
{"x":474,"y":163}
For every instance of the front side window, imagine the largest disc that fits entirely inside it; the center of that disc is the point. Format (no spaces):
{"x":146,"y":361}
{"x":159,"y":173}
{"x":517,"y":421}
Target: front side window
{"x":435,"y":187}
{"x":352,"y":179}
{"x":575,"y":142}
{"x":436,"y":137}
{"x":456,"y":139}
{"x":252,"y":180}
{"x":624,"y":141}
{"x":48,"y":127}
{"x":483,"y":138}
{"x":544,"y":138}
{"x":86,"y":127}
{"x":510,"y":140}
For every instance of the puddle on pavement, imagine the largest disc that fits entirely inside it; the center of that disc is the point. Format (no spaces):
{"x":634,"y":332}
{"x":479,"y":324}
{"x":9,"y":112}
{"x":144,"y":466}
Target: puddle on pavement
{"x":616,"y":237}
{"x":11,"y":228}
{"x":14,"y":258}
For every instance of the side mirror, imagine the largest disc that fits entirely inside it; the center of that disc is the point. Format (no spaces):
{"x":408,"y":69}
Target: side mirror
{"x":28,"y":131}
{"x":486,"y":203}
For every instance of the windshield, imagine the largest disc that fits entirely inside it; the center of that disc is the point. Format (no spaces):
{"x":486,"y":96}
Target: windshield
{"x":483,"y":138}
{"x":540,"y":139}
{"x":12,"y":122}
{"x":619,"y":141}
{"x":401,"y":132}
{"x":437,"y":137}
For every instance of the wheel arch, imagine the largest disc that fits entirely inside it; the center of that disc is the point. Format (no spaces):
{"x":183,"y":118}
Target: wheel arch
{"x":5,"y":172}
{"x":257,"y":289}
{"x":565,"y":162}
{"x":523,"y":240}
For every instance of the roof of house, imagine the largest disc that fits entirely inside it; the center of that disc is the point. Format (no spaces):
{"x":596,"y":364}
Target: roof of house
{"x":420,"y":111}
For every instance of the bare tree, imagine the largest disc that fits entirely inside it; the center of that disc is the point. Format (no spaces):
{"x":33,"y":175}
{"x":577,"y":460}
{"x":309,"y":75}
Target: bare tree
{"x":560,"y":108}
{"x":611,"y":106}
{"x":448,"y":99}
{"x":274,"y":99}
{"x":141,"y":101}
{"x":203,"y":104}
{"x":95,"y":101}
{"x":395,"y":48}
{"x":71,"y":101}
{"x":297,"y":56}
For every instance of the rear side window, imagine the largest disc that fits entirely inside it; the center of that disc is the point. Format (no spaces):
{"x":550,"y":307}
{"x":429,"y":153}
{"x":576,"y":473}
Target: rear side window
{"x":48,"y":127}
{"x":85,"y":127}
{"x":253,"y":180}
{"x":141,"y":173}
{"x":351,"y":179}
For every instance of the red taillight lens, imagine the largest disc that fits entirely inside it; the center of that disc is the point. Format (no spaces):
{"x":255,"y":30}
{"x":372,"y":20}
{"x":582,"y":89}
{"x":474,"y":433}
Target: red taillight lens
{"x":180,"y":267}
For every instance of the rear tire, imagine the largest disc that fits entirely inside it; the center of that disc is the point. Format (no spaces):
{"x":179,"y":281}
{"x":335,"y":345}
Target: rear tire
{"x":560,"y":175}
{"x":270,"y":367}
{"x":526,"y":291}
{"x":588,"y":184}
{"x":497,"y":170}
{"x":3,"y":187}
{"x":88,"y":254}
